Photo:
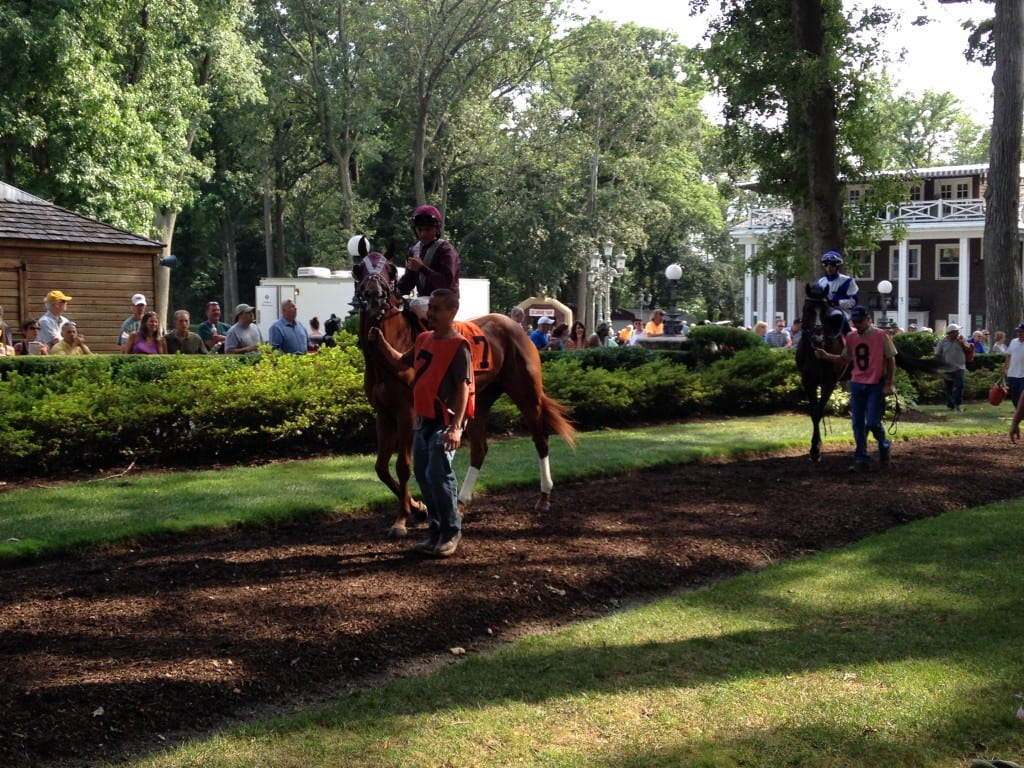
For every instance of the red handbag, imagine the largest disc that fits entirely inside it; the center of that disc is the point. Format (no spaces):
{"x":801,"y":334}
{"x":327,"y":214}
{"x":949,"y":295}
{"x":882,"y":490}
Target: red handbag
{"x":997,"y":392}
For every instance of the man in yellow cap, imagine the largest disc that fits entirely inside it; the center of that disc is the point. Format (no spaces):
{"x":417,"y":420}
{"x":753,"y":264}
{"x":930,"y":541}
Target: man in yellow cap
{"x":53,"y":320}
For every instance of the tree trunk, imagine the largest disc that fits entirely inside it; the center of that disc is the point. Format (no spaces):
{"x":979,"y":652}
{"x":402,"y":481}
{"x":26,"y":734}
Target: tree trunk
{"x":268,"y":229}
{"x":343,"y":162}
{"x":582,"y":299}
{"x":164,"y":223}
{"x":584,"y":305}
{"x":817,"y":115}
{"x":227,"y":238}
{"x":280,"y":261}
{"x":1003,"y":290}
{"x":419,"y":153}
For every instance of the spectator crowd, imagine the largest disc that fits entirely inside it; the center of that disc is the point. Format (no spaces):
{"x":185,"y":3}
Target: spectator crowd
{"x":55,"y":333}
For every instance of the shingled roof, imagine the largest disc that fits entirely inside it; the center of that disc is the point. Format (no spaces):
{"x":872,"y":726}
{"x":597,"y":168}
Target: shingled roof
{"x":27,"y":217}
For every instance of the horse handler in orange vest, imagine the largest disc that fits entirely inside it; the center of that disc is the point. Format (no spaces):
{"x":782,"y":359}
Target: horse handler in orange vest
{"x":443,"y":401}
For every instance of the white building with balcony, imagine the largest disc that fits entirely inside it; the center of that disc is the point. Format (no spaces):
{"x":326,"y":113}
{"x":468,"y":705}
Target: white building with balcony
{"x":937,"y":270}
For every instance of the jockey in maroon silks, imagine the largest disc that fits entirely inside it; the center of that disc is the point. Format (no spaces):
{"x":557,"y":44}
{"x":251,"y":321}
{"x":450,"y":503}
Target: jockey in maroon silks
{"x":431,"y":262}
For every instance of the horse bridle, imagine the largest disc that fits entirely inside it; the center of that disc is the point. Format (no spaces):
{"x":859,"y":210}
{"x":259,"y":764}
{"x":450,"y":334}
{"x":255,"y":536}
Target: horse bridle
{"x":377,"y":295}
{"x":816,"y":332}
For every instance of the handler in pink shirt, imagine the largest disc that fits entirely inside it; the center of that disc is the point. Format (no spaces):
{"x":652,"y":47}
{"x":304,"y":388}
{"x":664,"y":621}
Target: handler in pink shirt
{"x":872,"y":358}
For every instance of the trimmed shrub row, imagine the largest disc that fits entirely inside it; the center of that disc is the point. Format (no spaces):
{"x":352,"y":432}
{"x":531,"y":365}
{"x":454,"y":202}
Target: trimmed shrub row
{"x":94,"y":412}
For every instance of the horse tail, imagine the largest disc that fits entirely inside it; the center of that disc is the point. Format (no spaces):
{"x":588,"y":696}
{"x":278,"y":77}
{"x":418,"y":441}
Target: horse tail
{"x":555,"y":418}
{"x":523,"y":356}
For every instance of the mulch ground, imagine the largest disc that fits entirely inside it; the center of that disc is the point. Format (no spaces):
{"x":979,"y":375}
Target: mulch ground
{"x":105,"y":655}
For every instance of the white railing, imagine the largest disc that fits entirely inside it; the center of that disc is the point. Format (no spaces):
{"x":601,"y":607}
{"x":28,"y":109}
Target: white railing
{"x":921,"y":211}
{"x":768,"y":218}
{"x":937,"y":210}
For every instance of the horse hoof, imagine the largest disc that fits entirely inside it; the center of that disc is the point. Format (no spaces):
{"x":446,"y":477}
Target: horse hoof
{"x":397,"y":531}
{"x":543,"y":503}
{"x":418,"y":515}
{"x":815,"y":457}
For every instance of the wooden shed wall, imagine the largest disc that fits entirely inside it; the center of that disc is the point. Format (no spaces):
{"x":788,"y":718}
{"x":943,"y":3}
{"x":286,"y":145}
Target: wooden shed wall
{"x":100,"y":280}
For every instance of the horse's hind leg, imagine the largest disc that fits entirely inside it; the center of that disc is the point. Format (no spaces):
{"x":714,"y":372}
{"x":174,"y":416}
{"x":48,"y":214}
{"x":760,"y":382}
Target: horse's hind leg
{"x":533,"y":415}
{"x":477,"y":434}
{"x":546,"y":484}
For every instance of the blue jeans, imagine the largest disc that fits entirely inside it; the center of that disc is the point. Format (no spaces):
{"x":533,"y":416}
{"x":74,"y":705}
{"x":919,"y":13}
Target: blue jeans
{"x":432,"y":465}
{"x":954,"y":384}
{"x":867,"y":407}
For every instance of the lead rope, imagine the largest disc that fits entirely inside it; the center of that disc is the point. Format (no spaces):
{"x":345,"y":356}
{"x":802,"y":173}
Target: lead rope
{"x":896,"y":408}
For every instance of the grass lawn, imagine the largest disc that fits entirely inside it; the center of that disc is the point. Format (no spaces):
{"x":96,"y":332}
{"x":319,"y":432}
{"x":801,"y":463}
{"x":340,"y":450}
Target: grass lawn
{"x":902,"y":650}
{"x":43,"y":520}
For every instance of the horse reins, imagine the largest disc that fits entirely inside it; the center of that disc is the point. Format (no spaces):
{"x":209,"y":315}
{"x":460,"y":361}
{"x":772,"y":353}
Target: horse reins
{"x":384,"y":301}
{"x":896,"y":409}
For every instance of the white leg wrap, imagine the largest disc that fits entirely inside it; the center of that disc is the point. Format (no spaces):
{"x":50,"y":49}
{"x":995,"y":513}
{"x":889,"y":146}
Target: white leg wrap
{"x":466,"y":494}
{"x":545,"y":476}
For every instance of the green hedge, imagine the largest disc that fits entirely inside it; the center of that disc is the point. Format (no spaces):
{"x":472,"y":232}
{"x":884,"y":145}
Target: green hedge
{"x":981,"y":372}
{"x":67,"y":414}
{"x":99,"y":411}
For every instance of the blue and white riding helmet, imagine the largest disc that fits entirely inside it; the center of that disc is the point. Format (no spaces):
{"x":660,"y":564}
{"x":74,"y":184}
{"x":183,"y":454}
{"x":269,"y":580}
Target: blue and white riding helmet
{"x":832,"y":257}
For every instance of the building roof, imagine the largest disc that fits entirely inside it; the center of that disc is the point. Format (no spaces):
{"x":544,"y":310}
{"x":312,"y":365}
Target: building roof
{"x":938,"y":172}
{"x":27,"y":217}
{"x":935,"y":172}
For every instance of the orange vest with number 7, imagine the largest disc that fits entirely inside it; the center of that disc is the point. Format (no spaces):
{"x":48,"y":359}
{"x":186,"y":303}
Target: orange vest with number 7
{"x":431,"y":360}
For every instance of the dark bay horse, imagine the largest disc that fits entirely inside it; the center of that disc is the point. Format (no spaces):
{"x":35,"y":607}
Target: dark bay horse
{"x":818,"y":377}
{"x":510,"y":364}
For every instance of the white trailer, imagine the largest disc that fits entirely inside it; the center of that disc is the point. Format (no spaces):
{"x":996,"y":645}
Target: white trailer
{"x":319,"y":292}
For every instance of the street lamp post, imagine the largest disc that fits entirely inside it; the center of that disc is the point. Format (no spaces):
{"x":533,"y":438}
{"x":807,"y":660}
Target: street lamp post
{"x":643,"y":301}
{"x":885,"y":291}
{"x":673,"y":323}
{"x":604,"y":270}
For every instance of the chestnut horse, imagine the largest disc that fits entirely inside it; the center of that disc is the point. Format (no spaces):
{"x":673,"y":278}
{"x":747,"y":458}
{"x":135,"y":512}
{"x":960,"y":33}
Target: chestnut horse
{"x":818,"y":377}
{"x":510,"y":364}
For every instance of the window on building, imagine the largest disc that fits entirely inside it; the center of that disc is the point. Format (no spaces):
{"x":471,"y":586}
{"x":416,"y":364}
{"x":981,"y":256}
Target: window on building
{"x":947,"y":261}
{"x":955,"y":189}
{"x":862,"y":265}
{"x":917,"y":192}
{"x":913,"y":262}
{"x":853,"y":195}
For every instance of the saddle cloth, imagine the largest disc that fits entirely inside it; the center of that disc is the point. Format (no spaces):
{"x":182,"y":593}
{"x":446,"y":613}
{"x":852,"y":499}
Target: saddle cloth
{"x":478,"y":347}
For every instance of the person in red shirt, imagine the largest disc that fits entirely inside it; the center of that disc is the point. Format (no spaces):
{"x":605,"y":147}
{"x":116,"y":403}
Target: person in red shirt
{"x":443,"y":402}
{"x":872,"y":357}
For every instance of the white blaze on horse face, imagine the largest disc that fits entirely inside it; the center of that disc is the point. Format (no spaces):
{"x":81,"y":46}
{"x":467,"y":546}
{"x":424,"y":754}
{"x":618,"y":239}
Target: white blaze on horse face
{"x":468,"y":484}
{"x":546,"y":483}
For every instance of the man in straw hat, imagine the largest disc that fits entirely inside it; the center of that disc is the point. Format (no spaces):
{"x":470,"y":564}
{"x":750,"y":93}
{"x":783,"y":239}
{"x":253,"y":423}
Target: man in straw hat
{"x":951,"y":352}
